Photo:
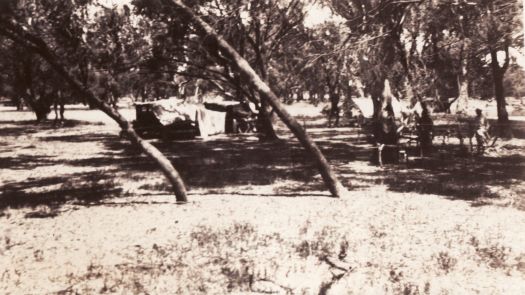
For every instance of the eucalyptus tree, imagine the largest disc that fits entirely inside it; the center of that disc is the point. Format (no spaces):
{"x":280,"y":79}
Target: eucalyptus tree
{"x":35,"y":27}
{"x":217,"y":42}
{"x":460,"y":35}
{"x":375,"y":35}
{"x":30,"y":77}
{"x":328,"y":62}
{"x":198,"y":50}
{"x":263,"y":32}
{"x":500,"y":28}
{"x":270,"y":28}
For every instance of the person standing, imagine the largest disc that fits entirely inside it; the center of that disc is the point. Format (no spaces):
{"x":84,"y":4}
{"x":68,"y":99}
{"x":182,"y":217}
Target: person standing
{"x":481,"y":129}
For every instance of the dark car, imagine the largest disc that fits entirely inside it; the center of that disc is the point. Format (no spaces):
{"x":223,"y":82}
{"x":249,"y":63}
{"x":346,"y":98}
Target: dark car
{"x":148,"y":125}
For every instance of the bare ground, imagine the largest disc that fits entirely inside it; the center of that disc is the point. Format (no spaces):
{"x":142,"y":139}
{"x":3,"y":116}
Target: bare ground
{"x":81,"y":211}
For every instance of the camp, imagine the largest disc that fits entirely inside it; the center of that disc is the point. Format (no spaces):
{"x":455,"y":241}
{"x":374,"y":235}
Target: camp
{"x":176,"y":119}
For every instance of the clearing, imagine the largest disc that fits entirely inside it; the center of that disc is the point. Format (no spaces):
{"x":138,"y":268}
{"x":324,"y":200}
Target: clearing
{"x":82,"y":212}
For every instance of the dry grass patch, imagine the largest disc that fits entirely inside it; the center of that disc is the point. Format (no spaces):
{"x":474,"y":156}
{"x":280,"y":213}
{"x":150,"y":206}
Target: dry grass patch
{"x":83,"y":213}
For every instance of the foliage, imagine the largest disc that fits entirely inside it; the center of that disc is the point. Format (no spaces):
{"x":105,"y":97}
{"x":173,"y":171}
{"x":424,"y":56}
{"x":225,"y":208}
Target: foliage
{"x":432,"y":48}
{"x":515,"y":82}
{"x":149,"y":51}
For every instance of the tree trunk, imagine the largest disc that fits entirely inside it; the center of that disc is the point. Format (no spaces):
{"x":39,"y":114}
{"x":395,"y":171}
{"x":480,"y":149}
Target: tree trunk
{"x":36,"y":44}
{"x":151,"y":151}
{"x":463,"y":82}
{"x":19,"y":102}
{"x":41,"y":106}
{"x":499,"y":91}
{"x":257,"y":83}
{"x":377,"y":103}
{"x":461,"y":103}
{"x":334,"y":106}
{"x":41,"y":112}
{"x":264,"y":118}
{"x":266,"y":130}
{"x":503,"y":126}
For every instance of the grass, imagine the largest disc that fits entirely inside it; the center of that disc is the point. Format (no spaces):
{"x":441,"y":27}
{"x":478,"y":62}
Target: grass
{"x":82,"y":212}
{"x":241,"y":258}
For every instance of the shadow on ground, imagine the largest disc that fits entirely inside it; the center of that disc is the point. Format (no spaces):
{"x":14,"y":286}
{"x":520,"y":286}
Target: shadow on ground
{"x":240,"y":160}
{"x":457,"y":178}
{"x":16,"y":128}
{"x":54,"y":191}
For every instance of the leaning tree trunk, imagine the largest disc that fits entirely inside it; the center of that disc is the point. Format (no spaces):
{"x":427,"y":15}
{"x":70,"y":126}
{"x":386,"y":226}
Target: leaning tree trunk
{"x":257,"y":83}
{"x":38,"y":45}
{"x":151,"y":151}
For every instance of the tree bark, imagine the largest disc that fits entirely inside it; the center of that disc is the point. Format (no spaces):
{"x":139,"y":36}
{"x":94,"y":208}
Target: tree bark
{"x":41,"y":108}
{"x":266,"y":130}
{"x":19,"y":102}
{"x":151,"y":151}
{"x":461,"y":103}
{"x":334,"y":103}
{"x":257,"y":83}
{"x":36,"y":44}
{"x":499,"y":91}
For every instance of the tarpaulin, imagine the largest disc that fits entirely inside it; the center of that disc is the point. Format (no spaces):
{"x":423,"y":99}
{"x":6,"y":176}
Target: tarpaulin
{"x":210,"y":122}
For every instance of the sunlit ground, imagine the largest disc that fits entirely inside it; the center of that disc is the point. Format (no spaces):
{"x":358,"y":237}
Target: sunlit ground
{"x":82,"y":211}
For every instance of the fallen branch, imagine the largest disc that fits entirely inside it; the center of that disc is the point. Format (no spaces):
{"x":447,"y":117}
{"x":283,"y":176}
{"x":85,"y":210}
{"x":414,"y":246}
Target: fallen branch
{"x":325,"y":286}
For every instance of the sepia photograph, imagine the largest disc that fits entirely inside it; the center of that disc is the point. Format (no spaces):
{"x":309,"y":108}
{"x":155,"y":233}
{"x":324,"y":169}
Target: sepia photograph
{"x":262,"y":147}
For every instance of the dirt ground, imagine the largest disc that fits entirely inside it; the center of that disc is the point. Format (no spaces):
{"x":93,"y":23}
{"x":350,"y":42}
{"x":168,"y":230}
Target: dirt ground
{"x":83,"y":212}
